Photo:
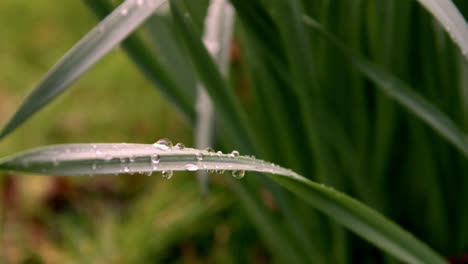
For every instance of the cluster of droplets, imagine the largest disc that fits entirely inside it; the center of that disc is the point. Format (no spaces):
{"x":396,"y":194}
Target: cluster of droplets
{"x":126,"y":159}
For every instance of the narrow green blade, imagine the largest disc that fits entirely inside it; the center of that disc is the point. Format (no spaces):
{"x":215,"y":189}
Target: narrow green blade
{"x":401,"y":93}
{"x":97,"y":43}
{"x":77,"y":159}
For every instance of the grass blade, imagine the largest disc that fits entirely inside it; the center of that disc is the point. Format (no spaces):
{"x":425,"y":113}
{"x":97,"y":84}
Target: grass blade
{"x":224,"y":99}
{"x":177,"y":89}
{"x":217,"y":38}
{"x":402,"y":93}
{"x":451,"y":19}
{"x":97,"y":43}
{"x":78,"y":159}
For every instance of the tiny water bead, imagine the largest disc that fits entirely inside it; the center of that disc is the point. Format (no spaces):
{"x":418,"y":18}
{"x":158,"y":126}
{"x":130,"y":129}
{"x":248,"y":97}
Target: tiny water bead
{"x":238,"y":174}
{"x":234,"y":154}
{"x":124,"y":12}
{"x":199,"y":156}
{"x":191,"y":167}
{"x":209,"y":149}
{"x":167,"y":174}
{"x":163,"y":144}
{"x":179,"y":146}
{"x":155,"y":158}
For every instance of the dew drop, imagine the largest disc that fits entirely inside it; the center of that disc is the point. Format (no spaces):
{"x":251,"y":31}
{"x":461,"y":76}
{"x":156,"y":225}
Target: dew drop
{"x":155,"y":158}
{"x":238,"y":174}
{"x":163,"y":144}
{"x":235,"y":154}
{"x":126,"y":169}
{"x":149,"y":173}
{"x":219,"y":153}
{"x":220,"y":171}
{"x":131,"y":159}
{"x":124,"y":12}
{"x":98,"y":152}
{"x":167,"y":174}
{"x":209,"y":149}
{"x":191,"y":167}
{"x":107,"y":157}
{"x":180,"y":145}
{"x":199,"y":156}
{"x":55,"y":162}
{"x":94,"y":167}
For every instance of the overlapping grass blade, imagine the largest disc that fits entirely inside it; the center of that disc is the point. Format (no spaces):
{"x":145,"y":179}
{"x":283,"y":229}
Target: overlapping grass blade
{"x":217,"y":37}
{"x":224,"y":99}
{"x":78,"y":159}
{"x":451,"y":20}
{"x":401,"y":93}
{"x":159,"y":68}
{"x":97,"y":43}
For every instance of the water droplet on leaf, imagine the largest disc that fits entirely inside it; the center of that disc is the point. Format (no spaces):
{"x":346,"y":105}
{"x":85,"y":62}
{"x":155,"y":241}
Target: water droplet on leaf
{"x":163,"y":144}
{"x":238,"y":174}
{"x":209,"y":149}
{"x":155,"y":158}
{"x":180,"y":145}
{"x":191,"y":167}
{"x":167,"y":174}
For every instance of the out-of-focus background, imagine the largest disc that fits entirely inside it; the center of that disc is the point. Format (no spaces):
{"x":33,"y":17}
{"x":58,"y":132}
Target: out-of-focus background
{"x":100,"y":219}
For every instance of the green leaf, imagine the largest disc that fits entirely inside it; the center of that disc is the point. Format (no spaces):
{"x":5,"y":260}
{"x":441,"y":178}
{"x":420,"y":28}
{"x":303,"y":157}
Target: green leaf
{"x":92,"y":47}
{"x":401,"y":93}
{"x":79,"y":159}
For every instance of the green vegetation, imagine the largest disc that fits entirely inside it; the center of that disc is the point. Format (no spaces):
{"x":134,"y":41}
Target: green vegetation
{"x":369,"y":97}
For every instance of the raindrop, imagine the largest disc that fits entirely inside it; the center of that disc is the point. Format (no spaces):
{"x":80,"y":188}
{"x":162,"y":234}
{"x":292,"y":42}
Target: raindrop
{"x":155,"y":158}
{"x":163,"y":144}
{"x":98,"y":152}
{"x":149,"y":173}
{"x":220,"y":171}
{"x":126,"y":169}
{"x":238,"y":174}
{"x":199,"y":156}
{"x":191,"y":167}
{"x":167,"y":174}
{"x":235,"y":154}
{"x":219,"y":153}
{"x":180,"y":145}
{"x":94,"y":167}
{"x":209,"y":149}
{"x":124,"y":12}
{"x":131,"y":159}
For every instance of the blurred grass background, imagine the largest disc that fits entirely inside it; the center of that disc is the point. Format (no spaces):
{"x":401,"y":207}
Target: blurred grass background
{"x":50,"y":219}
